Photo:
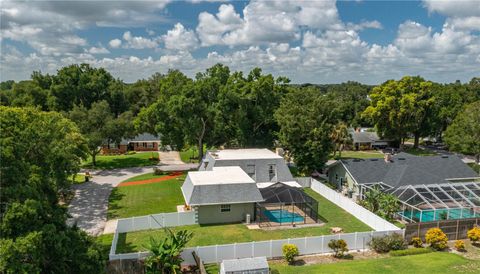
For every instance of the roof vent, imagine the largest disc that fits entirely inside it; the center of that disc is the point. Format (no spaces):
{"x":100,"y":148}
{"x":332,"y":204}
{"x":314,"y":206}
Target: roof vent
{"x":356,"y":160}
{"x":444,"y":156}
{"x":401,"y":158}
{"x":373,"y":159}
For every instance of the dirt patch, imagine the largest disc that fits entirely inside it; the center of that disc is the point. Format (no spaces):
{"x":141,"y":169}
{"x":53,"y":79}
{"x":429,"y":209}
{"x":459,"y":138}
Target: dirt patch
{"x":328,"y":258}
{"x":172,"y":175}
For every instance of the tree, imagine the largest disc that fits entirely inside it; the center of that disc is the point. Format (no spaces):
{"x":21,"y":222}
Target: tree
{"x":400,"y":108}
{"x":290,"y":251}
{"x":389,"y":206}
{"x":79,"y":85}
{"x":100,"y":127}
{"x":165,"y":254}
{"x":463,"y":134}
{"x":28,"y":94}
{"x":339,"y":247}
{"x":340,"y":137}
{"x":372,"y":199}
{"x":40,"y":151}
{"x":306,"y":120}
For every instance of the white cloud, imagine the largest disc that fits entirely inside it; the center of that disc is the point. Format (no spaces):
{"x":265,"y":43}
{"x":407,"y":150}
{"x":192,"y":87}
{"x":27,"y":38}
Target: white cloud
{"x":115,"y":43}
{"x":463,"y":15}
{"x":266,"y":22}
{"x":98,"y":50}
{"x":180,"y":38}
{"x":138,"y":42}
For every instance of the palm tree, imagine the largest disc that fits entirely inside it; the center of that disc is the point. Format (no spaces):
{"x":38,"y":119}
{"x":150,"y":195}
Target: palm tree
{"x":372,"y":199}
{"x":388,"y":205}
{"x":340,"y":137}
{"x":165,"y":254}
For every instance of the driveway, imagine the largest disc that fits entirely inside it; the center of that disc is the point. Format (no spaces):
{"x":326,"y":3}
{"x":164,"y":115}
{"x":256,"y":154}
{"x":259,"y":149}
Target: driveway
{"x":170,"y":158}
{"x":89,"y":206}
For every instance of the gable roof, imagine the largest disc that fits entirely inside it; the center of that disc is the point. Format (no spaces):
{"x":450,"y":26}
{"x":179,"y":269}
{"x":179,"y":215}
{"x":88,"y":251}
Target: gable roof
{"x":143,"y":137}
{"x":406,"y":169}
{"x":222,"y":185}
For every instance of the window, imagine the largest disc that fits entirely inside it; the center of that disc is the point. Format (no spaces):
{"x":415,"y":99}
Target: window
{"x":251,"y":171}
{"x":224,"y":208}
{"x":150,"y":145}
{"x":144,"y":144}
{"x":112,"y":146}
{"x":272,"y":172}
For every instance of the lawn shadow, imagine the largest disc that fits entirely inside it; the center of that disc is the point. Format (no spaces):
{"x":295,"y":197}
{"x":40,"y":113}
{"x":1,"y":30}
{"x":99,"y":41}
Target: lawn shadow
{"x":125,"y":162}
{"x":113,"y":203}
{"x":123,"y":246}
{"x":299,"y":263}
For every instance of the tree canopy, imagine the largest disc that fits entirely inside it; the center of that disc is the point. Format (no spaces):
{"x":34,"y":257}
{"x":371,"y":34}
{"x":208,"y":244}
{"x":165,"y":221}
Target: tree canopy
{"x":40,"y":150}
{"x":463,"y":135}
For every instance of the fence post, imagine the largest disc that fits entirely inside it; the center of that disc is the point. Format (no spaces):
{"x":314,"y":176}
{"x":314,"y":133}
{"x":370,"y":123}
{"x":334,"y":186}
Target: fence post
{"x":178,"y":219}
{"x":458,"y":223}
{"x":305,"y":244}
{"x":133,"y":223}
{"x":253,"y":249}
{"x":235,"y":250}
{"x":323,"y":241}
{"x":271,"y":255}
{"x":356,"y":236}
{"x":216,"y":253}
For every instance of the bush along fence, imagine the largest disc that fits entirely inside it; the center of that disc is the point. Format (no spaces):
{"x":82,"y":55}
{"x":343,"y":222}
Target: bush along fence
{"x":454,"y":229}
{"x":361,"y":213}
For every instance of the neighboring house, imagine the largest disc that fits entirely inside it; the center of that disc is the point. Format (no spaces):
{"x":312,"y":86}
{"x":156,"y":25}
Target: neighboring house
{"x":400,"y":170}
{"x":141,"y":142}
{"x":363,"y":139}
{"x":262,"y":165}
{"x":221,"y":195}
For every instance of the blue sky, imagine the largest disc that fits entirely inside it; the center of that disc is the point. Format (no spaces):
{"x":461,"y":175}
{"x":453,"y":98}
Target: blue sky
{"x":307,"y":41}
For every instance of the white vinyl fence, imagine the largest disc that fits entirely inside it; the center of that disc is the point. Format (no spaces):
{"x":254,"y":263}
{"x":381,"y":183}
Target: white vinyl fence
{"x":270,"y":249}
{"x":363,"y":214}
{"x":304,"y":181}
{"x":156,"y":221}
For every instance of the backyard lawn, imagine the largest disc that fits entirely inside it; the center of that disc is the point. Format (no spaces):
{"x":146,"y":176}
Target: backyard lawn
{"x":189,"y":155}
{"x":236,"y":233}
{"x":419,"y":151}
{"x":123,"y":160}
{"x":437,"y":262}
{"x":475,"y":167}
{"x":144,"y":199}
{"x":367,"y":154}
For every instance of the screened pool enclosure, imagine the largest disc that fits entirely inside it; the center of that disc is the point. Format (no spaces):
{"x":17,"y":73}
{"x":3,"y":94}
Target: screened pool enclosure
{"x":446,"y":201}
{"x":285,"y":205}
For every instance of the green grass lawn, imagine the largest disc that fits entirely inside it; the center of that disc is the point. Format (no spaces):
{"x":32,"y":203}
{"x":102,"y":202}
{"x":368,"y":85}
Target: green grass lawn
{"x":139,"y":200}
{"x":236,"y":233}
{"x":475,"y":167}
{"x":189,"y":155}
{"x":437,"y":262}
{"x":349,"y":154}
{"x":122,"y":161}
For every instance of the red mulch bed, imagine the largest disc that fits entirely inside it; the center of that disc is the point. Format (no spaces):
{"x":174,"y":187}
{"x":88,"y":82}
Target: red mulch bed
{"x":172,"y":175}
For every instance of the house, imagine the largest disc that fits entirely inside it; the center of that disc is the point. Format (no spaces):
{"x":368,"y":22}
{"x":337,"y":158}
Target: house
{"x":397,"y":171}
{"x":262,"y":165}
{"x":364,"y":139}
{"x":243,"y":185}
{"x":221,"y":195}
{"x":256,"y":265}
{"x":141,"y":142}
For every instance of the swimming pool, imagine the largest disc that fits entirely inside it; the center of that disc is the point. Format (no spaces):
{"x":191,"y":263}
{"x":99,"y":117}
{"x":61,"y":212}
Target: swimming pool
{"x":431,"y":215}
{"x":283,"y":216}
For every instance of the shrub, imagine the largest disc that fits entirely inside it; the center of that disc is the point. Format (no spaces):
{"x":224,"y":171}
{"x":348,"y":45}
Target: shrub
{"x":157,"y":171}
{"x":339,"y":247}
{"x":459,"y":245}
{"x":290,"y":251}
{"x":411,"y":251}
{"x":131,"y":152}
{"x":436,"y":238}
{"x":416,"y":242}
{"x":474,"y":234}
{"x":386,"y":243}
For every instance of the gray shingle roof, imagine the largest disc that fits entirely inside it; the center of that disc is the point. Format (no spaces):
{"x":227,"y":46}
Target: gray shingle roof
{"x":364,"y":137}
{"x":144,"y":137}
{"x":222,"y":185}
{"x":225,"y":194}
{"x":407,"y":169}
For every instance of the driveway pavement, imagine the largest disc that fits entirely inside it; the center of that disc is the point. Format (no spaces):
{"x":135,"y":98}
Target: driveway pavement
{"x":89,"y":206}
{"x":170,"y":158}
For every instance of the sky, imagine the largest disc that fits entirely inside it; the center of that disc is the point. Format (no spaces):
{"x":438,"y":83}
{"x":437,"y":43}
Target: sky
{"x":307,"y":41}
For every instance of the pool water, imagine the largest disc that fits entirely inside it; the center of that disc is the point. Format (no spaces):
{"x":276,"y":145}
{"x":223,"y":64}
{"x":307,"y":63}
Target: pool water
{"x":431,"y":215}
{"x":283,"y":216}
